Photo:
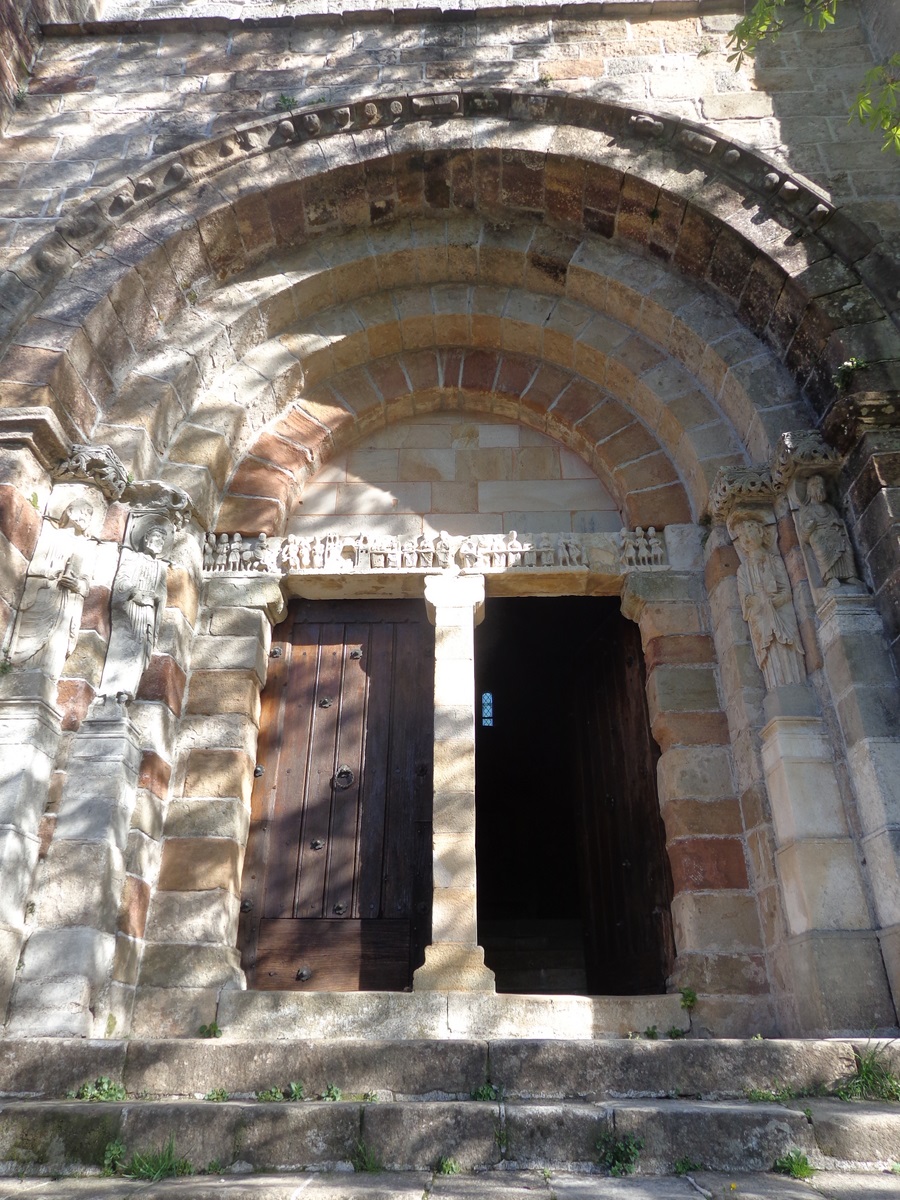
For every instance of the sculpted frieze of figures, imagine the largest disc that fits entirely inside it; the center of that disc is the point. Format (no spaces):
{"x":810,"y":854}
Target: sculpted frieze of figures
{"x":636,"y":549}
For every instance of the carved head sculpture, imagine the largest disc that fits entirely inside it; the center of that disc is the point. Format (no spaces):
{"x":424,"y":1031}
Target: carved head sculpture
{"x":77,"y":515}
{"x":153,"y":540}
{"x":815,"y":489}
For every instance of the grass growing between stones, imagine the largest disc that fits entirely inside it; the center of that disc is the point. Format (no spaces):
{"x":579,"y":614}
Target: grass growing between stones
{"x":872,"y":1080}
{"x":619,"y":1155}
{"x":154,"y":1165}
{"x":447,"y":1166}
{"x":794,"y":1163}
{"x":365,"y":1159}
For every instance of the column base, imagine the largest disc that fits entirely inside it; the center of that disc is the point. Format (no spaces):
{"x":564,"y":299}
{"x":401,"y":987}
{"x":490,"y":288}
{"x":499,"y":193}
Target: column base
{"x":453,"y":967}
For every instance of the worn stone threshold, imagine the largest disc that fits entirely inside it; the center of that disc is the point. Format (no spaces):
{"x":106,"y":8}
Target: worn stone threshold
{"x":127,"y":18}
{"x":405,"y":1016}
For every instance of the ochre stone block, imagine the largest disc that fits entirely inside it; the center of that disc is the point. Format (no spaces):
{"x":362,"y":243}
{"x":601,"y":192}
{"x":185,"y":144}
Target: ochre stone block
{"x":668,"y":505}
{"x":256,"y":478}
{"x":690,"y":729}
{"x":114,"y":524}
{"x":163,"y":681}
{"x":200,"y":864}
{"x":133,"y":907}
{"x":218,"y":773}
{"x":73,"y":697}
{"x":708,"y":864}
{"x":249,"y":516}
{"x":722,"y":563}
{"x":182,"y":592}
{"x":696,"y":648}
{"x":154,"y":773}
{"x":20,"y":521}
{"x":692,"y":818}
{"x":213,"y":692}
{"x":95,"y":614}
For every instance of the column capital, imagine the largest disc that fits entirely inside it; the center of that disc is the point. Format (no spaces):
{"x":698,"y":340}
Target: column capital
{"x":454,"y":591}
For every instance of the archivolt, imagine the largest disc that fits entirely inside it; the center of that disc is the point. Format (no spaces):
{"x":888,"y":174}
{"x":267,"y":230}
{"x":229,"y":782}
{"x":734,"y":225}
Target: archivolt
{"x":194,"y":325}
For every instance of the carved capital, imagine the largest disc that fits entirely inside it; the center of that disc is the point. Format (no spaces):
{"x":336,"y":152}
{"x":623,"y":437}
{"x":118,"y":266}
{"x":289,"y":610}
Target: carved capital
{"x":802,"y":452}
{"x":735,"y":486}
{"x":153,"y":496}
{"x":99,"y":465}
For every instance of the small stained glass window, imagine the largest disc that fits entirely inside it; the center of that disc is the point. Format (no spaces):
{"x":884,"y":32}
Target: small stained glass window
{"x":487,"y":708}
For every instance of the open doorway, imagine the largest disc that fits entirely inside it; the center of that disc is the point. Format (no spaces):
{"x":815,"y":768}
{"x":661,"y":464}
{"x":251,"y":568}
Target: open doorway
{"x":574,"y":885}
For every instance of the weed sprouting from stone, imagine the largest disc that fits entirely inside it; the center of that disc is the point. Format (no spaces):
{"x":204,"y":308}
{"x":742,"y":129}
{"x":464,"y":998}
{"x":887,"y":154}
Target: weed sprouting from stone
{"x":651,"y":1033}
{"x":295,"y":1091}
{"x":365,"y":1159}
{"x":872,"y":1080}
{"x":794,"y":1163}
{"x":154,"y":1165}
{"x":619,"y":1155}
{"x":217,"y":1095}
{"x":332,"y":1092}
{"x":688,"y":998}
{"x":684,"y":1166}
{"x":103,"y":1089}
{"x":211,"y":1030}
{"x":777,"y":1095}
{"x":487,"y":1091}
{"x":113,"y":1157}
{"x":272,"y":1095}
{"x":676,"y":1033}
{"x":447,"y":1166}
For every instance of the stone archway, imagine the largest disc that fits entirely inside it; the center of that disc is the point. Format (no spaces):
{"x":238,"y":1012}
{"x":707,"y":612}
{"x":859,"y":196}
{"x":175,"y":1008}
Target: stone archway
{"x":658,"y":358}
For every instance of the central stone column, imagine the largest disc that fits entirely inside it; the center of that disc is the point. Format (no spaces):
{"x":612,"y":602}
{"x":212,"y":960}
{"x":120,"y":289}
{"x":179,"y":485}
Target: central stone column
{"x":454,"y":962}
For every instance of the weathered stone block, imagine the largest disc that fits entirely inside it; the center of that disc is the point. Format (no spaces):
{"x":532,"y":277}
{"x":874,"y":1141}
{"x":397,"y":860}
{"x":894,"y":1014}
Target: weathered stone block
{"x":200,"y":864}
{"x":219,"y":773}
{"x":407,"y":1137}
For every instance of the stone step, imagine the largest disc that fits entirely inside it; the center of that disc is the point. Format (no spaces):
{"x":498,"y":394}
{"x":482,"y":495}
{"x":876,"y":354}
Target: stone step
{"x":496,"y":1185}
{"x":857,"y":1132}
{"x":529,"y":1069}
{"x":38,"y":1138}
{"x":292,"y":1016}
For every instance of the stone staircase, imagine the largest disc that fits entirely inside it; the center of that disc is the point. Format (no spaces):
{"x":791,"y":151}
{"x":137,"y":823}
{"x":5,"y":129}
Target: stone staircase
{"x":408,"y":1104}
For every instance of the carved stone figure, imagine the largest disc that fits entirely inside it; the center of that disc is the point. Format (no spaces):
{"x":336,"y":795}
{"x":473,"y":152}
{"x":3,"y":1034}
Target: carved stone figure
{"x":58,"y":581}
{"x":641,"y":547}
{"x":513,"y":549}
{"x":409,"y":553}
{"x":766,"y":601}
{"x":209,"y":552}
{"x":138,"y":601}
{"x":529,"y":554}
{"x":442,"y":549}
{"x":222,"y":546}
{"x":426,"y":551}
{"x":657,"y":550}
{"x":468,"y":552}
{"x":547,"y":553}
{"x":825,"y":534}
{"x":629,"y":550}
{"x":235,"y":551}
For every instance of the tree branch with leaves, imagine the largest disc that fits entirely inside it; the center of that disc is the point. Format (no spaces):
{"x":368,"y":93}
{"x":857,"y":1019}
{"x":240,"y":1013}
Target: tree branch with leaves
{"x":877,"y":104}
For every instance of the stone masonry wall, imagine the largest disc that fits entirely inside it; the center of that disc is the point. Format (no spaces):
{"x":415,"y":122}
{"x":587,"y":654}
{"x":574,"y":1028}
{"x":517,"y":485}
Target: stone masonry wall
{"x":99,"y":106}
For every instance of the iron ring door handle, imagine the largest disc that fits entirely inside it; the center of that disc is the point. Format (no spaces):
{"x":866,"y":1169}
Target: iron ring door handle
{"x":343,"y":778}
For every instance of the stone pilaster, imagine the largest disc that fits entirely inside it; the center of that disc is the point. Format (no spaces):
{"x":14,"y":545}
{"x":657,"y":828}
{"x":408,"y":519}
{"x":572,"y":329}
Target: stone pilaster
{"x":865,"y":692}
{"x":192,"y":923}
{"x":63,"y":985}
{"x":718,"y":939}
{"x":454,"y":962}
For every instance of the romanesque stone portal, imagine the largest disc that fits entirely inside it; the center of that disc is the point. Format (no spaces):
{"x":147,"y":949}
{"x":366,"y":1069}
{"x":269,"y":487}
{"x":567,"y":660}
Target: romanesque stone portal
{"x":443,"y":313}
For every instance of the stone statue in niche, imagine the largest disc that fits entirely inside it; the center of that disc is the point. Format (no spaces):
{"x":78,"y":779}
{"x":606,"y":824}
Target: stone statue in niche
{"x":766,"y":601}
{"x":826,"y":535}
{"x":138,"y":601}
{"x":57,"y":583}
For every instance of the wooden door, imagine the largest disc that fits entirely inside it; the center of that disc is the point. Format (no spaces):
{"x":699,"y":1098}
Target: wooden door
{"x":337,"y":878}
{"x":622,"y":842}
